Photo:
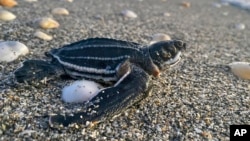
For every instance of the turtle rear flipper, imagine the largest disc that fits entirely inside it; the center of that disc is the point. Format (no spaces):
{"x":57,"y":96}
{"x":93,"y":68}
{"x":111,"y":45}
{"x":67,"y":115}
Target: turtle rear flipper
{"x":110,"y":101}
{"x":35,"y":70}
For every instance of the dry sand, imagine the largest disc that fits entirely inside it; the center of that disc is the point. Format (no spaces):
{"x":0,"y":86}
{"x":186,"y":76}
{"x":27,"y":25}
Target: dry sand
{"x":196,"y":100}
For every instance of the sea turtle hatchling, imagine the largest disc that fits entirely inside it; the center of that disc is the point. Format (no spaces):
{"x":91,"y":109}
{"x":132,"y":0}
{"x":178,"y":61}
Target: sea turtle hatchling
{"x":125,"y":66}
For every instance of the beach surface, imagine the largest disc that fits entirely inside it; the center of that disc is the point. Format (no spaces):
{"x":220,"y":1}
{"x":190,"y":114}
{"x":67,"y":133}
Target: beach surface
{"x":196,"y":100}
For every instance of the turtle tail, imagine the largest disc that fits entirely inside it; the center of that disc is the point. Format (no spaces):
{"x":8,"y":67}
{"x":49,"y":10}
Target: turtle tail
{"x":35,"y":70}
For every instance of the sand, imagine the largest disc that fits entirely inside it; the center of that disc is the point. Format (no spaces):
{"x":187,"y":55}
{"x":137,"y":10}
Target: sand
{"x":196,"y":100}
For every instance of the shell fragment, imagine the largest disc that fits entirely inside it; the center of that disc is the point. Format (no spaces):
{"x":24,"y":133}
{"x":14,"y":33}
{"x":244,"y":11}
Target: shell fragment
{"x":8,"y":3}
{"x":6,"y":15}
{"x":48,"y":23}
{"x":129,"y":14}
{"x":11,"y":50}
{"x":60,"y":11}
{"x":241,"y":69}
{"x":43,"y":36}
{"x":160,"y":37}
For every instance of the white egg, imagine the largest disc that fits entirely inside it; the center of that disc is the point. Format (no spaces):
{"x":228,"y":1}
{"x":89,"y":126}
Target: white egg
{"x":80,"y":91}
{"x":241,"y":69}
{"x":11,"y":50}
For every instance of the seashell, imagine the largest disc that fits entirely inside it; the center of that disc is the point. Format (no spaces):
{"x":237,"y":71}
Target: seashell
{"x":80,"y":91}
{"x":160,"y":37}
{"x":6,"y":15}
{"x":60,"y":11}
{"x":48,"y":23}
{"x":11,"y":50}
{"x":241,"y":69}
{"x":8,"y":3}
{"x":128,"y":14}
{"x":43,"y":36}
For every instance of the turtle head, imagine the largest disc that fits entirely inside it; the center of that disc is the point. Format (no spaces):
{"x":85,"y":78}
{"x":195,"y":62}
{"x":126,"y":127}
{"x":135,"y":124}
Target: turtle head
{"x":166,"y":53}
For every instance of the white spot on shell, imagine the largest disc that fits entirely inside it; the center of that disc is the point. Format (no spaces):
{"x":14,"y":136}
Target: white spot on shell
{"x":80,"y":91}
{"x":60,"y":11}
{"x":11,"y":50}
{"x":159,"y":37}
{"x":129,"y":14}
{"x":6,"y":15}
{"x":48,"y":23}
{"x":43,"y":36}
{"x":241,"y":69}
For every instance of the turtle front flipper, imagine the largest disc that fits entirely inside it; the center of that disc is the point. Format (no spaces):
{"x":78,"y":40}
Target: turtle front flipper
{"x":35,"y":70}
{"x":110,"y":101}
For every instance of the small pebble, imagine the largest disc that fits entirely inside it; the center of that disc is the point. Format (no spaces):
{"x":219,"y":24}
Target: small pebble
{"x":8,"y":3}
{"x":48,"y":23}
{"x":207,"y":135}
{"x":11,"y":50}
{"x":225,"y":13}
{"x":160,"y":37}
{"x":241,"y":69}
{"x":99,"y":17}
{"x":217,"y":5}
{"x":186,"y":4}
{"x":80,"y":91}
{"x":43,"y":36}
{"x":240,"y":26}
{"x":166,"y":14}
{"x":60,"y":11}
{"x":6,"y":15}
{"x":31,"y":0}
{"x":197,"y":130}
{"x":224,"y":3}
{"x":129,"y":14}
